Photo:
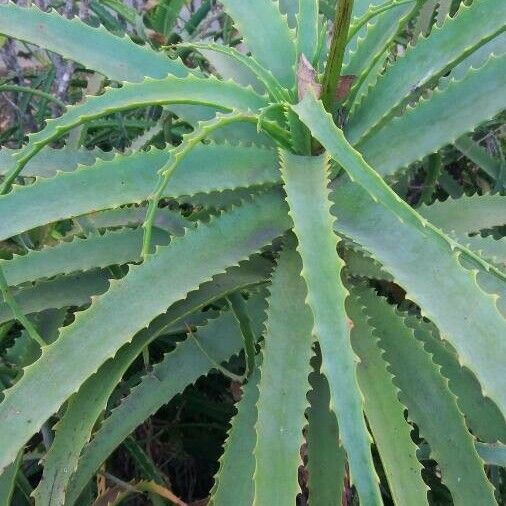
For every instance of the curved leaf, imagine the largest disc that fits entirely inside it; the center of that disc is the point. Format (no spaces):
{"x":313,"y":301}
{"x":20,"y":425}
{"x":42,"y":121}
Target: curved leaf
{"x":74,"y":429}
{"x":264,"y":28}
{"x":306,"y":180}
{"x":115,"y":57}
{"x":228,"y":239}
{"x":426,"y":62}
{"x":220,"y":338}
{"x":423,"y":129}
{"x":224,"y":95}
{"x":434,"y":278}
{"x":424,"y":391}
{"x":283,"y":384}
{"x":131,"y":179}
{"x":385,"y":414}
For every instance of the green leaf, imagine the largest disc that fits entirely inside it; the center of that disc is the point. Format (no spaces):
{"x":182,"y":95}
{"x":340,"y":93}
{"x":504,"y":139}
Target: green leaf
{"x":74,"y":429}
{"x":50,"y":161}
{"x":234,"y":480}
{"x":171,"y":90}
{"x":109,"y":184}
{"x":63,"y":291}
{"x":8,"y":480}
{"x":283,"y":385}
{"x":325,"y":456}
{"x":272,"y":85}
{"x":488,"y":247}
{"x":322,"y":126}
{"x":308,"y":29}
{"x":431,"y":405}
{"x":165,"y":14}
{"x":254,"y":225}
{"x":111,"y":248}
{"x":467,"y":214}
{"x":434,"y":278}
{"x":426,"y":62}
{"x":359,"y":264}
{"x":378,"y":36}
{"x":132,"y":216}
{"x":478,"y":155}
{"x":264,"y":28}
{"x":423,"y":129}
{"x":115,"y":57}
{"x":385,"y":414}
{"x":481,"y":414}
{"x":306,"y":180}
{"x":220,"y":338}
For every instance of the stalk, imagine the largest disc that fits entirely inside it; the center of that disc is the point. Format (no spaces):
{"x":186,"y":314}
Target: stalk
{"x":335,"y":61}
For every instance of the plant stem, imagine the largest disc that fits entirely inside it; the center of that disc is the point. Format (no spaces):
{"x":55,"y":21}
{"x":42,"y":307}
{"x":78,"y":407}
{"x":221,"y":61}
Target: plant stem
{"x":32,"y":91}
{"x":336,"y":55}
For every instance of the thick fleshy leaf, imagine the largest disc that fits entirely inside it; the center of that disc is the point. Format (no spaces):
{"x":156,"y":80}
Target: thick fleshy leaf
{"x":385,"y":414}
{"x":263,"y":28}
{"x":453,"y":301}
{"x":75,"y":428}
{"x":447,"y":114}
{"x":326,"y":457}
{"x":431,"y":405}
{"x":253,"y":227}
{"x":306,"y":180}
{"x":209,"y":91}
{"x":283,"y":385}
{"x":115,"y":57}
{"x":131,"y":179}
{"x":426,"y":62}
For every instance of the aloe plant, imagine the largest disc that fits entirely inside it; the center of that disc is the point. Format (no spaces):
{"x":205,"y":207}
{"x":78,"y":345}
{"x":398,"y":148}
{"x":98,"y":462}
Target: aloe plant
{"x":301,"y":201}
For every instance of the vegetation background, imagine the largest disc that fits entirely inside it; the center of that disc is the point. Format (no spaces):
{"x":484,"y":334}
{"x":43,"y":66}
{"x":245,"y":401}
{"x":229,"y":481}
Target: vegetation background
{"x":180,"y":445}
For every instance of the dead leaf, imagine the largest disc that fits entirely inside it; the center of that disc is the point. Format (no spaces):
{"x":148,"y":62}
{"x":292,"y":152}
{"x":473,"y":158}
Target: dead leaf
{"x":344,"y":87}
{"x":307,"y":78}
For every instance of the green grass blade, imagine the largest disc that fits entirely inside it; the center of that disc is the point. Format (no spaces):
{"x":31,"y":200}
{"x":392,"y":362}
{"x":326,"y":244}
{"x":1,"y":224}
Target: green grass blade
{"x":306,"y":180}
